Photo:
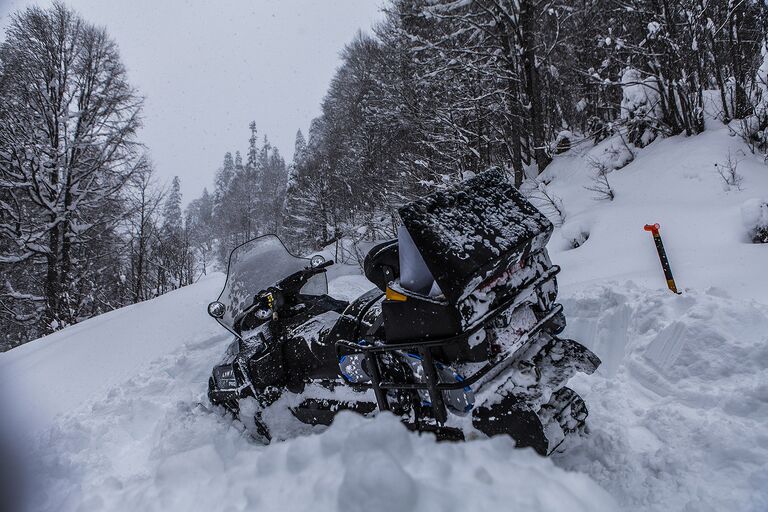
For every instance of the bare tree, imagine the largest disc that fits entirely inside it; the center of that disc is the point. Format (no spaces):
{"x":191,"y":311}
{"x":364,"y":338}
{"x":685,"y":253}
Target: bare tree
{"x":67,"y":131}
{"x":545,"y":200}
{"x":144,"y":198}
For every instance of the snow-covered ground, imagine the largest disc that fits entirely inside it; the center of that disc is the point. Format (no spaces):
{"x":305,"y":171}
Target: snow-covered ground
{"x":116,"y":416}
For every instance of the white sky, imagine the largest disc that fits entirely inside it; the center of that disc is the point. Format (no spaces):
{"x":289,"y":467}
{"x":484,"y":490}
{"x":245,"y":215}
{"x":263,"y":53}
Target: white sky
{"x":207,"y":69}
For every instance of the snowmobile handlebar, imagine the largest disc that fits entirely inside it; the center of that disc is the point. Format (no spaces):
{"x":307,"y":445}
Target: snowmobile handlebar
{"x":324,"y":264}
{"x":276,"y":297}
{"x":291,"y":285}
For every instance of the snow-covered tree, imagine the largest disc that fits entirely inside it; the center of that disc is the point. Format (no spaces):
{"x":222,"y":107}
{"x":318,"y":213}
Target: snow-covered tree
{"x":144,"y":202}
{"x":67,"y":151}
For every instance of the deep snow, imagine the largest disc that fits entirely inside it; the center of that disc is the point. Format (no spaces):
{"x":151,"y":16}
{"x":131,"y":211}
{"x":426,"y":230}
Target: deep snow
{"x":116,"y":412}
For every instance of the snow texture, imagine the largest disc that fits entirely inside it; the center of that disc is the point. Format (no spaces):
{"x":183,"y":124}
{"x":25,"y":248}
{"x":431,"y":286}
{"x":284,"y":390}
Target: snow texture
{"x":111,"y":414}
{"x":151,"y":443}
{"x":679,"y":409}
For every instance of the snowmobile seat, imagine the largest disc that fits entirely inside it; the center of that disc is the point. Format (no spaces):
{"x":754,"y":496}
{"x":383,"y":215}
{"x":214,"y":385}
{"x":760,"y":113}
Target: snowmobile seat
{"x":410,"y":316}
{"x":382,"y":265}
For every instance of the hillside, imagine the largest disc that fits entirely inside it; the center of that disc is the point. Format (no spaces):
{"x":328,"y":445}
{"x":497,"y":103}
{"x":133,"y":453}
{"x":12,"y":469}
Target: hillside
{"x":115,"y":410}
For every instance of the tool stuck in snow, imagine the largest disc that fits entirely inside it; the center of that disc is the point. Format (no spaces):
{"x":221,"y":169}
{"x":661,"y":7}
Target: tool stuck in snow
{"x":654,"y":229}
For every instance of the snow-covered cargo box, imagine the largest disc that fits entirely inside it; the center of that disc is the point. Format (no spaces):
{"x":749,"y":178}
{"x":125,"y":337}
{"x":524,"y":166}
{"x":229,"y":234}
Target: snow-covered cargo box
{"x":471,"y":231}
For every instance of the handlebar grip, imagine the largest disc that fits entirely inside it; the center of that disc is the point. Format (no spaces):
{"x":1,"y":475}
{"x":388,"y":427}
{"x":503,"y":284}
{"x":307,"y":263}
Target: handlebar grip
{"x":324,"y":264}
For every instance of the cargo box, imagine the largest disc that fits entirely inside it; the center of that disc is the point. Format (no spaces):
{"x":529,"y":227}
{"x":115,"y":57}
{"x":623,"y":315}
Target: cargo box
{"x":473,"y":230}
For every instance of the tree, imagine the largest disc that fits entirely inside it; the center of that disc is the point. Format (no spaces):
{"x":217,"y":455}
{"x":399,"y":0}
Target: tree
{"x":144,"y":199}
{"x":67,"y":133}
{"x":199,"y":223}
{"x":172,"y":245}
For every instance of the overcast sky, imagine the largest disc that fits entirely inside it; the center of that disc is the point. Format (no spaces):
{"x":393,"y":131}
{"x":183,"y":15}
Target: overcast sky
{"x":207,"y":69}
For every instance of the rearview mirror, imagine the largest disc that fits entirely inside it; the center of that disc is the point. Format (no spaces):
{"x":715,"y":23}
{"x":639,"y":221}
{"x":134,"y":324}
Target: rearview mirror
{"x":217,"y":310}
{"x":316,"y":260}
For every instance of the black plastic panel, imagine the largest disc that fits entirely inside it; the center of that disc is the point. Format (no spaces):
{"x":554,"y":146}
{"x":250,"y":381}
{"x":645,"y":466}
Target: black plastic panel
{"x":467,"y":233}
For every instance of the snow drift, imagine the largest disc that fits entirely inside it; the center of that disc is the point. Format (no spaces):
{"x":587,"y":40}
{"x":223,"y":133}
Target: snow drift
{"x":679,"y":414}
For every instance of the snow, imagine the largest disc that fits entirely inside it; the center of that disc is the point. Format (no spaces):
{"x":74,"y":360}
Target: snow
{"x":679,"y":409}
{"x":673,"y":182}
{"x":111,"y":413}
{"x":754,"y":216}
{"x":151,"y":441}
{"x":640,"y":100}
{"x":58,"y":373}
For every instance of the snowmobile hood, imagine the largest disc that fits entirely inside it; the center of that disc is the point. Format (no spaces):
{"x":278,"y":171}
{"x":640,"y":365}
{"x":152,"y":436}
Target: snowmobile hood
{"x":469,"y":232}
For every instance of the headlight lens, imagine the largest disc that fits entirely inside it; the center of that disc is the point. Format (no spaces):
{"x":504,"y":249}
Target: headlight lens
{"x":224,"y":376}
{"x":217,"y":309}
{"x":263,"y":313}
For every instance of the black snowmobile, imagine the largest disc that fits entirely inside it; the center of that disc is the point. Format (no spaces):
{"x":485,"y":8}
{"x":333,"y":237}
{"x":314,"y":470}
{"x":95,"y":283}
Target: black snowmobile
{"x":458,"y":338}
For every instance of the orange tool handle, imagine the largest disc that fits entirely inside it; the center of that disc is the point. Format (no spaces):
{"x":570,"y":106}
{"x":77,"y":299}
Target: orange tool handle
{"x":653,"y":228}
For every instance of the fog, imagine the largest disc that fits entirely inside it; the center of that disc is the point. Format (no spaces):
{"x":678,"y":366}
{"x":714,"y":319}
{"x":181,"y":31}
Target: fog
{"x":207,"y":69}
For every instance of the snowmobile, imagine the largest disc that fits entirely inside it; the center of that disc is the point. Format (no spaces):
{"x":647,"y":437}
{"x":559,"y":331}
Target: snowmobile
{"x":459,"y":336}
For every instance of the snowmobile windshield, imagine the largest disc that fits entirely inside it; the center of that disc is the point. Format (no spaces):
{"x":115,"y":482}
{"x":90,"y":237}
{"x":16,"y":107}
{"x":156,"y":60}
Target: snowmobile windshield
{"x":255,"y":266}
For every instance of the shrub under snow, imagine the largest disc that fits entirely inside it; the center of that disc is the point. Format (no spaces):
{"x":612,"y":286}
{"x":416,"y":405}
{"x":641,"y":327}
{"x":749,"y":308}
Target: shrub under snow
{"x":754,"y":214}
{"x":640,"y":107}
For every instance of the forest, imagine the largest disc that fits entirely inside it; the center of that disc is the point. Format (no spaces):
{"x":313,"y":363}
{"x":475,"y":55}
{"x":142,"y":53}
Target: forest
{"x":436,"y":92}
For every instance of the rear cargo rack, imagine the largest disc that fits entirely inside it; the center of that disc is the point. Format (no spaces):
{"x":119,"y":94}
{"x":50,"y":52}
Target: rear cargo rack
{"x":423,"y":347}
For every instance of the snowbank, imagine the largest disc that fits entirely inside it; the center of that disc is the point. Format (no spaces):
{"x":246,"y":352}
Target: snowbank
{"x":57,"y":373}
{"x":125,"y":425}
{"x":673,"y":182}
{"x":357,"y":465}
{"x":679,"y":409}
{"x":153,"y":443}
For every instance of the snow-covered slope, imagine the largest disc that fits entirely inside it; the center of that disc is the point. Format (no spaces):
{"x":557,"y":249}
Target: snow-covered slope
{"x":679,"y":409}
{"x":672,"y":182}
{"x":62,"y":371}
{"x":117,"y":412}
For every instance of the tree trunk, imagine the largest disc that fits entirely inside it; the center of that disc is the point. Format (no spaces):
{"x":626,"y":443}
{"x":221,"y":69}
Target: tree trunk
{"x":740,"y":103}
{"x":52,"y":278}
{"x":535,"y":111}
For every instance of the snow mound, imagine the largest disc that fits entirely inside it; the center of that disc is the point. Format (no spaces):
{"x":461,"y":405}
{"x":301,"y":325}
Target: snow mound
{"x":144,"y":437}
{"x":754,"y":215}
{"x":679,"y":409}
{"x":197,"y":460}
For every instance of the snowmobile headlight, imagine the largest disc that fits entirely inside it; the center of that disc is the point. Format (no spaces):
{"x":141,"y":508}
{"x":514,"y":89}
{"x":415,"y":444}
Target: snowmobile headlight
{"x":224,"y":376}
{"x":317,"y":260}
{"x":217,"y":309}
